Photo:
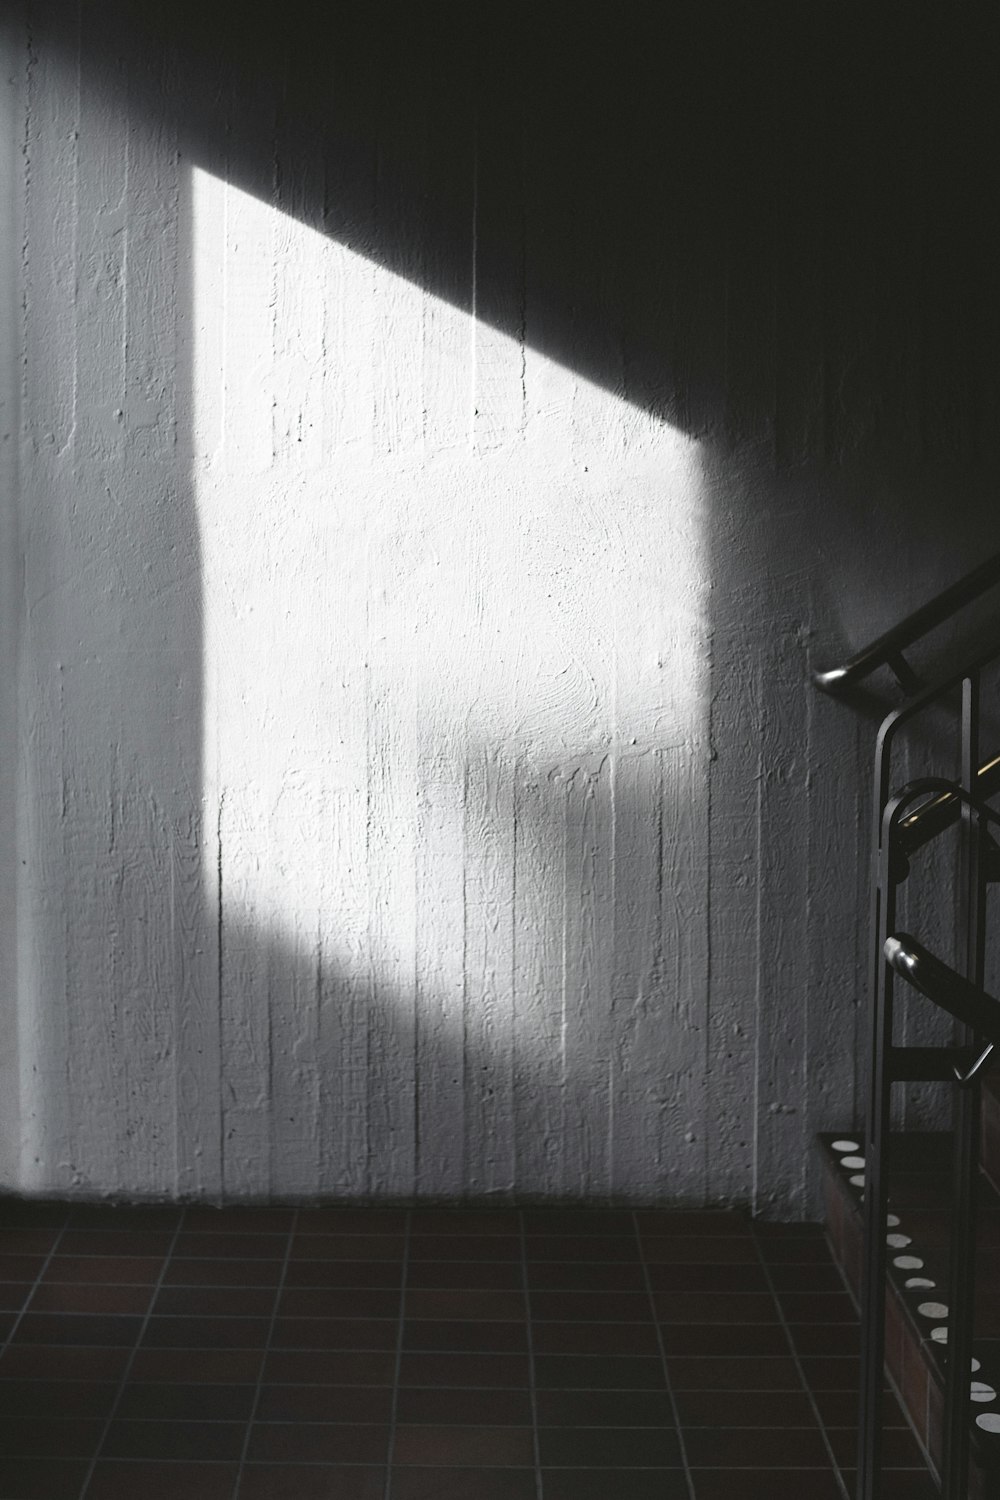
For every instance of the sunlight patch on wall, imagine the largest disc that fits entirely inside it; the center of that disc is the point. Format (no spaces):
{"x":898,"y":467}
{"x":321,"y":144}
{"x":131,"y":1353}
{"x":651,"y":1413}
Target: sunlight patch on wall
{"x":420,"y":541}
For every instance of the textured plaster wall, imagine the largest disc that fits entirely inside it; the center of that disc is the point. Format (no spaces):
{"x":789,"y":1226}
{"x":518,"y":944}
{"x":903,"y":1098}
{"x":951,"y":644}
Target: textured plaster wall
{"x":442,"y":449}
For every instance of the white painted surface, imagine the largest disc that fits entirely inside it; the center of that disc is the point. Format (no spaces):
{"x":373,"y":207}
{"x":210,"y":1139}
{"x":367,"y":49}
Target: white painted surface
{"x":420,"y":789}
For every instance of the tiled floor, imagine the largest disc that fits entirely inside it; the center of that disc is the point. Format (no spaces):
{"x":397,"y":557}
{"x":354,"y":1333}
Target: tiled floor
{"x":335,"y":1354}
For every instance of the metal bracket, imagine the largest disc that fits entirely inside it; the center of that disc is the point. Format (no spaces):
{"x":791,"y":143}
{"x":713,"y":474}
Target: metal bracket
{"x":969,"y":1076}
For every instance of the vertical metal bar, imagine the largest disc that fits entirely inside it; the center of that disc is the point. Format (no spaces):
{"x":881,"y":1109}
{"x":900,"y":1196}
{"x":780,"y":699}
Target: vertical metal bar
{"x":869,"y":1481}
{"x":961,"y":1300}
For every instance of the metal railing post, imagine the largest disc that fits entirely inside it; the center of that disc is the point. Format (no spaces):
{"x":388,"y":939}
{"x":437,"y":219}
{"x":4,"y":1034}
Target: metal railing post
{"x":961,"y":1298}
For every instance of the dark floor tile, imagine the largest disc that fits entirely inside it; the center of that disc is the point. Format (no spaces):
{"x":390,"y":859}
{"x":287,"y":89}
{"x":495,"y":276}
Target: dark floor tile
{"x":41,"y":1478}
{"x":343,"y":1302}
{"x":118,"y":1270}
{"x":464,"y":1221}
{"x":469,"y":1334}
{"x":472,"y":1275}
{"x":609,"y":1447}
{"x":463,"y":1484}
{"x":125,"y":1479}
{"x":234,"y":1246}
{"x":605,"y":1307}
{"x":453,"y":1368}
{"x":90,"y":1297}
{"x":579,"y":1221}
{"x":64,"y":1399}
{"x":595,"y":1338}
{"x":192,"y":1272}
{"x":125,"y":1219}
{"x":795,"y":1250}
{"x":818,"y":1307}
{"x":681,"y":1278}
{"x":604,"y":1409}
{"x":22,"y":1213}
{"x":13,"y":1296}
{"x":486,"y":1407}
{"x":697,"y":1222}
{"x":318,"y":1442}
{"x":453,"y":1304}
{"x":800,"y":1230}
{"x":20,"y":1268}
{"x":311,"y":1482}
{"x":582,"y":1372}
{"x":811,"y":1278}
{"x":840,"y":1409}
{"x":329,"y":1367}
{"x":716,"y":1307}
{"x":215,"y":1301}
{"x":335,"y":1333}
{"x":159,"y":1401}
{"x":898,"y":1484}
{"x":591,"y":1247}
{"x":72,"y":1328}
{"x":463,"y":1445}
{"x":28,"y":1241}
{"x":825,"y":1338}
{"x":325,"y":1403}
{"x":755,"y":1447}
{"x":718,"y":1249}
{"x":746,"y":1408}
{"x":372,"y":1274}
{"x":733,"y":1373}
{"x":115,"y":1243}
{"x":205,"y":1333}
{"x":61,"y":1362}
{"x":197,"y":1366}
{"x":347,"y":1247}
{"x":768,"y":1484}
{"x":188,"y":1440}
{"x":615,"y":1484}
{"x":736,"y":1340}
{"x":41,"y":1436}
{"x":344,"y":1220}
{"x":837,"y":1373}
{"x":586,"y":1276}
{"x":465,"y":1247}
{"x":238,"y":1220}
{"x":900,"y":1449}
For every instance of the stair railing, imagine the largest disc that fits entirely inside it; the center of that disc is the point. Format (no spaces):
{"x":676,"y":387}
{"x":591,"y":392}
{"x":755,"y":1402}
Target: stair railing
{"x":903,"y":823}
{"x":978,"y":1016}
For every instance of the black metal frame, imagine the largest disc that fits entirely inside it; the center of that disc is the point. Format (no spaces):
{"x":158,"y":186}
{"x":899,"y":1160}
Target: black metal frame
{"x":895,"y":818}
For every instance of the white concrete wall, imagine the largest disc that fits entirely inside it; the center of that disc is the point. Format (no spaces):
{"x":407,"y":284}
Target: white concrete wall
{"x":420,"y":790}
{"x":11,"y":126}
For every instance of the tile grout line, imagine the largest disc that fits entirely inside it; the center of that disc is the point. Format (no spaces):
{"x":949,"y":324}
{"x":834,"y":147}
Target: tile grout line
{"x":663,"y":1358}
{"x":797,"y":1361}
{"x":34,"y":1285}
{"x":394,"y":1407}
{"x":154,"y":1293}
{"x":278,"y":1294}
{"x":532,"y":1387}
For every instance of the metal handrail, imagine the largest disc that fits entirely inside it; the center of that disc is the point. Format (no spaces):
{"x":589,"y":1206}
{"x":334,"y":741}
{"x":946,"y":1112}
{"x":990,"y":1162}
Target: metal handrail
{"x":887,"y":650}
{"x":944,"y":985}
{"x":894,"y":721}
{"x":951,"y":992}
